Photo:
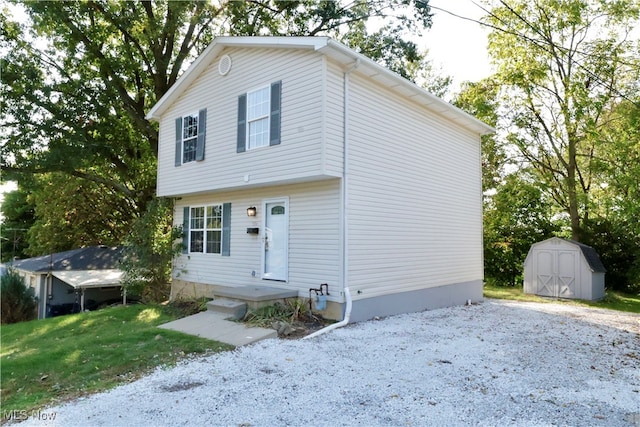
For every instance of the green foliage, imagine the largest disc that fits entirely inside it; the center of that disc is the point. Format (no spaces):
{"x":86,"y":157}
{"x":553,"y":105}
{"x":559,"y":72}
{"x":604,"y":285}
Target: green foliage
{"x":614,"y":229}
{"x":480,"y":100}
{"x":567,"y":116}
{"x":49,"y":361}
{"x":186,"y":307}
{"x":18,"y":215}
{"x":79,"y":77}
{"x":149,"y":251}
{"x":17,"y":302}
{"x":517,"y":216}
{"x":288,"y":312}
{"x":90,"y":214}
{"x":619,"y":253}
{"x":562,"y":65}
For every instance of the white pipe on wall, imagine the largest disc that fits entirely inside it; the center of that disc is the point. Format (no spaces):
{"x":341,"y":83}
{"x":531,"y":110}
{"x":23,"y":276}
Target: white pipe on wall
{"x":345,"y":209}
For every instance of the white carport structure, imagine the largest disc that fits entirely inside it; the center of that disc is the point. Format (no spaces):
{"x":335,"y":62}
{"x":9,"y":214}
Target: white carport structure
{"x":88,"y":279}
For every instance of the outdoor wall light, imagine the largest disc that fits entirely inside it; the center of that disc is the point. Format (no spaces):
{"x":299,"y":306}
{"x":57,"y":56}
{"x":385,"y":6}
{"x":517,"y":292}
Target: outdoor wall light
{"x":251,"y":211}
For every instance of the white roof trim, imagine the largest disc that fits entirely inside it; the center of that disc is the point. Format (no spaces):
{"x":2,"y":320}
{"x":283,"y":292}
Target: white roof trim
{"x":333,"y":49}
{"x":90,"y":278}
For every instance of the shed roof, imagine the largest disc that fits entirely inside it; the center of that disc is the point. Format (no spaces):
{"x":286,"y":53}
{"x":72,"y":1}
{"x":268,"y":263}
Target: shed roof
{"x":338,"y":52}
{"x":591,"y":256}
{"x":89,"y":258}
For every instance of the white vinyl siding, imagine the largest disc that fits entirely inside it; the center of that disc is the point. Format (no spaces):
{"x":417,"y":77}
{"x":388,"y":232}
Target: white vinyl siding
{"x":415,"y":213}
{"x":299,"y":156}
{"x":314,"y":239}
{"x":334,"y":119}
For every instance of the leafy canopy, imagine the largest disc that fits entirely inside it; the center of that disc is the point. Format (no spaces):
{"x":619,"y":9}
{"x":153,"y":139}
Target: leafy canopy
{"x":79,"y":76}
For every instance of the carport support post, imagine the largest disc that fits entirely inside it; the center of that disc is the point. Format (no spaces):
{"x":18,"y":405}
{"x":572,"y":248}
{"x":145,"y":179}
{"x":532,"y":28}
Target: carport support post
{"x":81,"y":300}
{"x":124,"y":297}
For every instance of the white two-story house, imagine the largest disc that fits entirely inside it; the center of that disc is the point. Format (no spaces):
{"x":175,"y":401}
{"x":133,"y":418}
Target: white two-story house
{"x":296,"y":162}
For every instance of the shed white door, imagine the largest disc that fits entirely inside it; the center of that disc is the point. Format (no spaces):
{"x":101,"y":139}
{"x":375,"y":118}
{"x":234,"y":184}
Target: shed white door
{"x":544,"y":271}
{"x":567,"y":273}
{"x":275,"y":242}
{"x":555,"y":272}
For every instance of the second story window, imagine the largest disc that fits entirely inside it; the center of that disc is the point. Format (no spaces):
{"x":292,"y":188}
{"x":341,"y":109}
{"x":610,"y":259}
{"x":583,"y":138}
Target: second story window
{"x":189,"y":137}
{"x":258,"y":118}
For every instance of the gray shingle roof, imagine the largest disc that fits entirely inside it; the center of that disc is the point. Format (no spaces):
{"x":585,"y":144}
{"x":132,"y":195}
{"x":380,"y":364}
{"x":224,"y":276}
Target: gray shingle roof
{"x":89,"y":258}
{"x":591,"y":256}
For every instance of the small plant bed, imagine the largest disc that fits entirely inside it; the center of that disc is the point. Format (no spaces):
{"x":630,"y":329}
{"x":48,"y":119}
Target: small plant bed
{"x":292,"y":319}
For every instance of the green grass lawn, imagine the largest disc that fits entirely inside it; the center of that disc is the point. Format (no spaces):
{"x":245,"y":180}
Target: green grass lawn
{"x":47,"y":361}
{"x":613,"y":300}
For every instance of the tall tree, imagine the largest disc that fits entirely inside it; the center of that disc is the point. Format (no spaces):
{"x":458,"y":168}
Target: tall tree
{"x":480,"y":100}
{"x":18,"y":215}
{"x":518,"y":215}
{"x":562,"y":64}
{"x":615,"y":231}
{"x":79,"y":77}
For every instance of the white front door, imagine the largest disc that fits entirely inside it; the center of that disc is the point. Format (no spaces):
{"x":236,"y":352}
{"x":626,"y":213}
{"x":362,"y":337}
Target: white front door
{"x":275,"y":240}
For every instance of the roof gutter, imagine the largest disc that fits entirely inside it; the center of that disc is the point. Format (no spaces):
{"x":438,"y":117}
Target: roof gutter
{"x":345,"y":208}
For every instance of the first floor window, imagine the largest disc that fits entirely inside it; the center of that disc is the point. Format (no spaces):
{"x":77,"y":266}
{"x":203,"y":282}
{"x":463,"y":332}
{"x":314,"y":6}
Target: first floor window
{"x":196,"y":238}
{"x":214,"y":229}
{"x":205,"y":229}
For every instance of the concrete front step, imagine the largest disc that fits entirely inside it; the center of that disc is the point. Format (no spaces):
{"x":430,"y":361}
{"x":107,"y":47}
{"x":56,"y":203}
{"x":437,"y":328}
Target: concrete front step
{"x":215,"y":326}
{"x":255,"y":296}
{"x":232,"y":308}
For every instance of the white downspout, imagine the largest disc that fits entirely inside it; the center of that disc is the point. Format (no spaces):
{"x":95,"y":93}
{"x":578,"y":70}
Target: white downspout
{"x":345,"y":208}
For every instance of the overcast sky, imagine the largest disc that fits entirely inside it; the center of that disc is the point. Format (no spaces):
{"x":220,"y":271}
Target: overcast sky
{"x":455,"y":44}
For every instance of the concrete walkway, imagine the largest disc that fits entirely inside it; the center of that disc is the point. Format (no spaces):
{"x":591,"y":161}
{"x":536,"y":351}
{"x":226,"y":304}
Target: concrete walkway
{"x":214,"y":326}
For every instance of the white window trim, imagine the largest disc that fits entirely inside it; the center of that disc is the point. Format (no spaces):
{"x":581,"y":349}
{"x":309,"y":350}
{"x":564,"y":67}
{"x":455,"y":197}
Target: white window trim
{"x":195,"y":138}
{"x":205,"y":229}
{"x":266,"y":87}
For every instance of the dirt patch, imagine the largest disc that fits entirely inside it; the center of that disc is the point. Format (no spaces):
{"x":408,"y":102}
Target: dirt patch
{"x":181,"y":386}
{"x":305,"y":324}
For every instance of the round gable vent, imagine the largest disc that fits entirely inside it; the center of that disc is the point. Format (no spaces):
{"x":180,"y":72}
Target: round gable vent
{"x":224,"y":66}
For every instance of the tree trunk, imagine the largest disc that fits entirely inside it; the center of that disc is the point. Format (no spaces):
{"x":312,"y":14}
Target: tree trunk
{"x":574,"y":210}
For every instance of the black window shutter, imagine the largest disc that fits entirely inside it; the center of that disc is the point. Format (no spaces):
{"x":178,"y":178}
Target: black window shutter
{"x":178,"y":141}
{"x":226,"y":229}
{"x":274,"y":125}
{"x":242,"y":123}
{"x":202,"y":130}
{"x":185,"y":230}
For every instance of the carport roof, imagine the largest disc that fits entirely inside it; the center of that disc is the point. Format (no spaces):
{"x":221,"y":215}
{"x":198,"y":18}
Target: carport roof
{"x":90,"y":278}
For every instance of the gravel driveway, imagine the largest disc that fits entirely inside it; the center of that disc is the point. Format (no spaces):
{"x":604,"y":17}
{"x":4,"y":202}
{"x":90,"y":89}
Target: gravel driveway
{"x":496,"y":363}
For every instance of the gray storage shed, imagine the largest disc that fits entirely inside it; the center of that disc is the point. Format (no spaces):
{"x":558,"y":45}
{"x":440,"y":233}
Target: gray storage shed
{"x":563,"y":268}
